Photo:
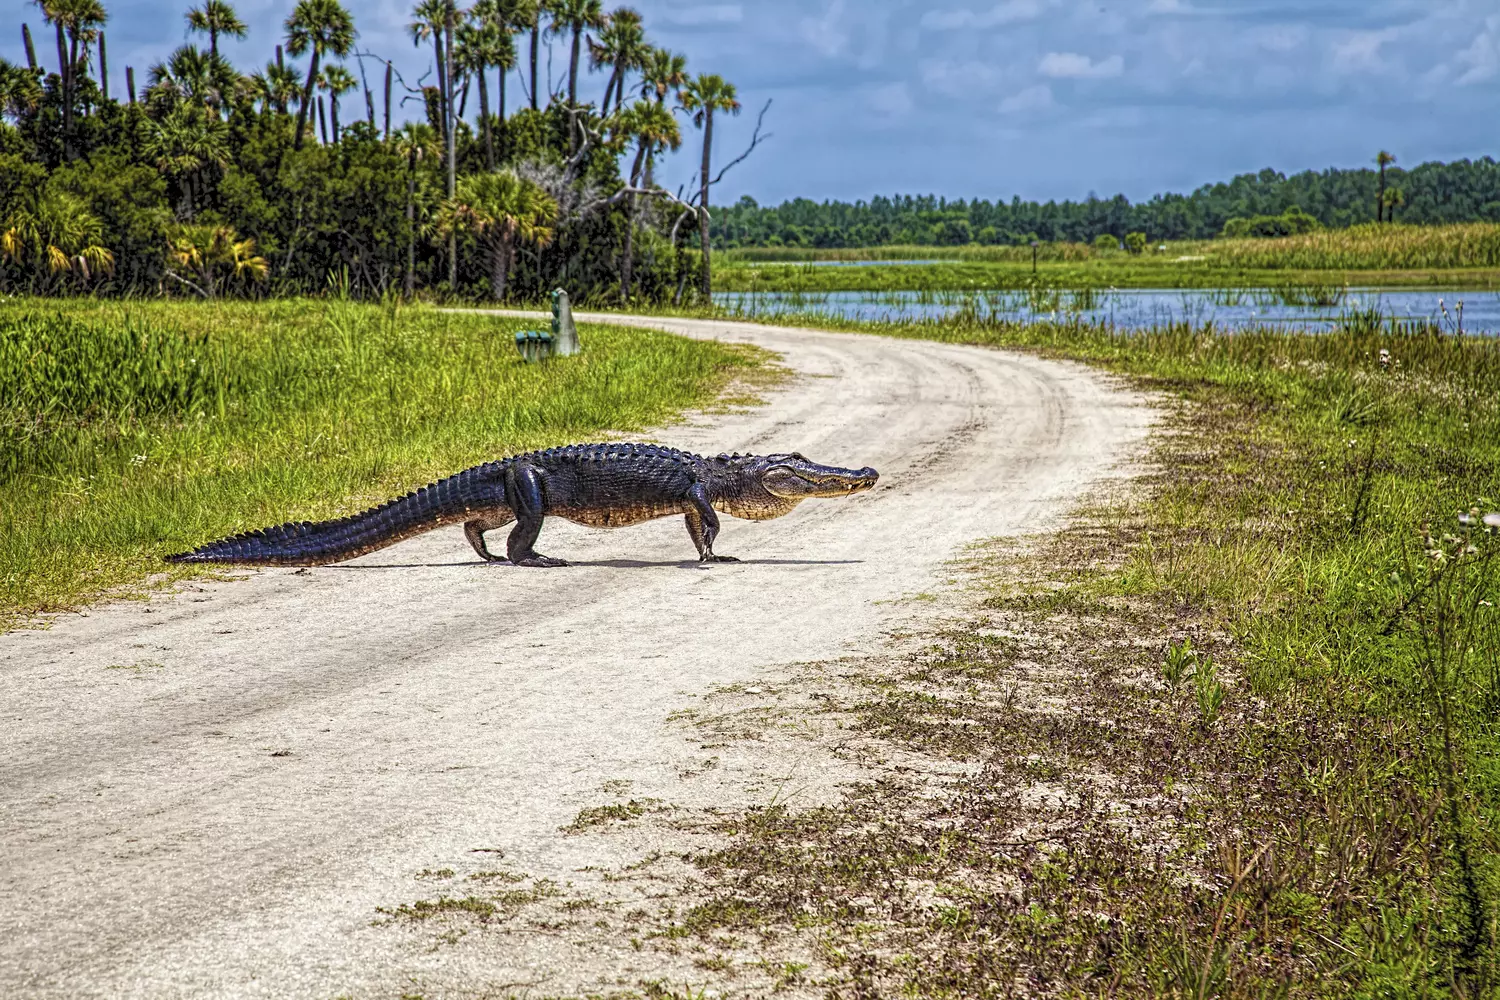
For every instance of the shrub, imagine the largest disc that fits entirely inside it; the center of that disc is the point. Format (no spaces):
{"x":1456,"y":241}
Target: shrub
{"x":1135,"y":242}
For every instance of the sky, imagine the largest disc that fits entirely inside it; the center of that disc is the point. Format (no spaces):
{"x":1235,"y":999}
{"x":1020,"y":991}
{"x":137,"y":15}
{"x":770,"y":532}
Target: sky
{"x":1044,"y":99}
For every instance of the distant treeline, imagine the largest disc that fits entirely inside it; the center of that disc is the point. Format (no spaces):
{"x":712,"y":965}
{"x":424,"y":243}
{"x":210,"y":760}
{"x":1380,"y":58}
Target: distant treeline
{"x":1463,"y":191}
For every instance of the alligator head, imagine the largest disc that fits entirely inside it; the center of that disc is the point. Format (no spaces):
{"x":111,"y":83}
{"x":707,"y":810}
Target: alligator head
{"x":760,"y":487}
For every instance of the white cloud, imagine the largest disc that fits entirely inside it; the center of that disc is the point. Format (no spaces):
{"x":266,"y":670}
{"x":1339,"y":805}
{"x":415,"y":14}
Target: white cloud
{"x":954,"y":78}
{"x":715,"y":13}
{"x":1005,"y":12}
{"x":827,"y":34}
{"x":1483,"y":56}
{"x":1168,"y":7}
{"x":1360,"y":52}
{"x":1071,"y":65}
{"x":1279,"y":37}
{"x":1034,"y":98}
{"x":892,"y":99}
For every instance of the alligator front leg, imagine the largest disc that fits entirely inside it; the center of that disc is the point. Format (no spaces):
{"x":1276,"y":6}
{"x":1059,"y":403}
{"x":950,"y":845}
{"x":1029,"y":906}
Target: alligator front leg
{"x":703,"y":526}
{"x":523,"y":495}
{"x":474,"y":531}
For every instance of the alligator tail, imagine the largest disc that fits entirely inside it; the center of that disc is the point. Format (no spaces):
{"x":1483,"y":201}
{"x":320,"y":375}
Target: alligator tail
{"x":303,"y":543}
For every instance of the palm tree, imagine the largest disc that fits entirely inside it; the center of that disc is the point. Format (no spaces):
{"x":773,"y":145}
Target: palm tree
{"x":275,"y":86}
{"x":183,"y":144}
{"x":654,"y":128}
{"x":1383,"y":159}
{"x":704,"y":96}
{"x":20,"y":93}
{"x":322,"y":26}
{"x":480,"y":46}
{"x":414,"y":143}
{"x":189,"y":74}
{"x":338,"y":81}
{"x":622,"y":46}
{"x":431,"y":20}
{"x":1393,"y":199}
{"x":216,"y":18}
{"x":497,"y":209}
{"x":662,"y":72}
{"x":80,"y":21}
{"x":55,"y":232}
{"x":575,"y":16}
{"x":505,"y":16}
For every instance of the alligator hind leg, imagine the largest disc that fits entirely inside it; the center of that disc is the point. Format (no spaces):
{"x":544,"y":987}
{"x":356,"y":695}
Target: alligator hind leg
{"x":523,"y":494}
{"x":703,"y":526}
{"x":474,"y":531}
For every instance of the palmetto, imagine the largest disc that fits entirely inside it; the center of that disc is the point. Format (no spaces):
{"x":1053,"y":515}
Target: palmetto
{"x":575,"y":16}
{"x":320,"y":26}
{"x":216,"y":18}
{"x":704,"y":96}
{"x":215,"y":256}
{"x":498,"y":209}
{"x":57,"y":235}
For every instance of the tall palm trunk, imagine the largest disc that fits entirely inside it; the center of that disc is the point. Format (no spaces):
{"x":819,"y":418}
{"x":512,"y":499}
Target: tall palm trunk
{"x":708,"y":139}
{"x":306,"y":105}
{"x":65,"y":74}
{"x":627,"y":263}
{"x":573,"y":69}
{"x":333,"y":102}
{"x":1380,"y":197}
{"x":437,"y":47}
{"x":500,"y":255}
{"x":536,"y":34}
{"x":322,"y":121}
{"x":411,"y":226}
{"x":484,"y":121}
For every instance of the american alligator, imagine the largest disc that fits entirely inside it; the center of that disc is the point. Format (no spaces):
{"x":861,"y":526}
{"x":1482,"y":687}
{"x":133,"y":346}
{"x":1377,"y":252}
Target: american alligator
{"x":600,"y":485}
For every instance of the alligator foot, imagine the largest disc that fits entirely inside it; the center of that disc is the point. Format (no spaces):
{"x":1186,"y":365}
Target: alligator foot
{"x":540,"y":561}
{"x":713,"y":558}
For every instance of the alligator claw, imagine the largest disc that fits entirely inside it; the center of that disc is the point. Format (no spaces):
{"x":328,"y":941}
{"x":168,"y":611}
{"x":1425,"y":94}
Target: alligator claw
{"x":714,"y":558}
{"x":541,"y":562}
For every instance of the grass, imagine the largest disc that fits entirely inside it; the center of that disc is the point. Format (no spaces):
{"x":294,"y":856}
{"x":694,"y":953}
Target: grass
{"x":1458,"y":256}
{"x":1277,"y":769}
{"x":129,"y":430}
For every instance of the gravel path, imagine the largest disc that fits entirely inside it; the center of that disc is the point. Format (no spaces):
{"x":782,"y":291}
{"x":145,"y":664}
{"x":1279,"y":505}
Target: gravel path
{"x":210,"y":794}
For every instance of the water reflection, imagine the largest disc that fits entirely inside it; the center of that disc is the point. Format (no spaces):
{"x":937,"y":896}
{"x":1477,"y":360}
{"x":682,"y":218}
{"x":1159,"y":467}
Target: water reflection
{"x":1311,"y":306}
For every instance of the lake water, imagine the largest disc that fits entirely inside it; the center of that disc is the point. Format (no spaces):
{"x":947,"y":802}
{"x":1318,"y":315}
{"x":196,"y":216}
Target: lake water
{"x":1231,"y":309}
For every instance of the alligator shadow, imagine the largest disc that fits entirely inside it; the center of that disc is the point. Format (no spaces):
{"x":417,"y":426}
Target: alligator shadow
{"x":609,"y":563}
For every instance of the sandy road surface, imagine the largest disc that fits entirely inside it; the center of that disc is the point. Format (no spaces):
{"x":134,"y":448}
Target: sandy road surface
{"x":211,"y":794}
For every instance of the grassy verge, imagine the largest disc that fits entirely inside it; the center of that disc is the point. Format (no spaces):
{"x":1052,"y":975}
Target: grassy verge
{"x":128,"y":430}
{"x":1234,"y":739}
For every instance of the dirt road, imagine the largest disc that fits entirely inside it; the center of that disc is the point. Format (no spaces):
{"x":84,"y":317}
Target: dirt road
{"x":212,"y":794}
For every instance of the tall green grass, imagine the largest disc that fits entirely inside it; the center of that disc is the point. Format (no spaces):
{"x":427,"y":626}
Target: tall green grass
{"x":1071,"y":252}
{"x":1366,"y":248}
{"x":129,"y":430}
{"x":1320,"y":511}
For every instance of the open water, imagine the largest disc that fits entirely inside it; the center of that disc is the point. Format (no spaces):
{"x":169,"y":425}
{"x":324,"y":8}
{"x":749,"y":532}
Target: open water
{"x":1228,"y":309}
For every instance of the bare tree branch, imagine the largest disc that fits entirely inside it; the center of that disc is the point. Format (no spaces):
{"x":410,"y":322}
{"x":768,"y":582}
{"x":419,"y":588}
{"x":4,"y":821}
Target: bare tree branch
{"x":755,"y":140}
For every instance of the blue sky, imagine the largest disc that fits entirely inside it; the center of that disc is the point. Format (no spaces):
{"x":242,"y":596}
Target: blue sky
{"x":994,"y":98}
